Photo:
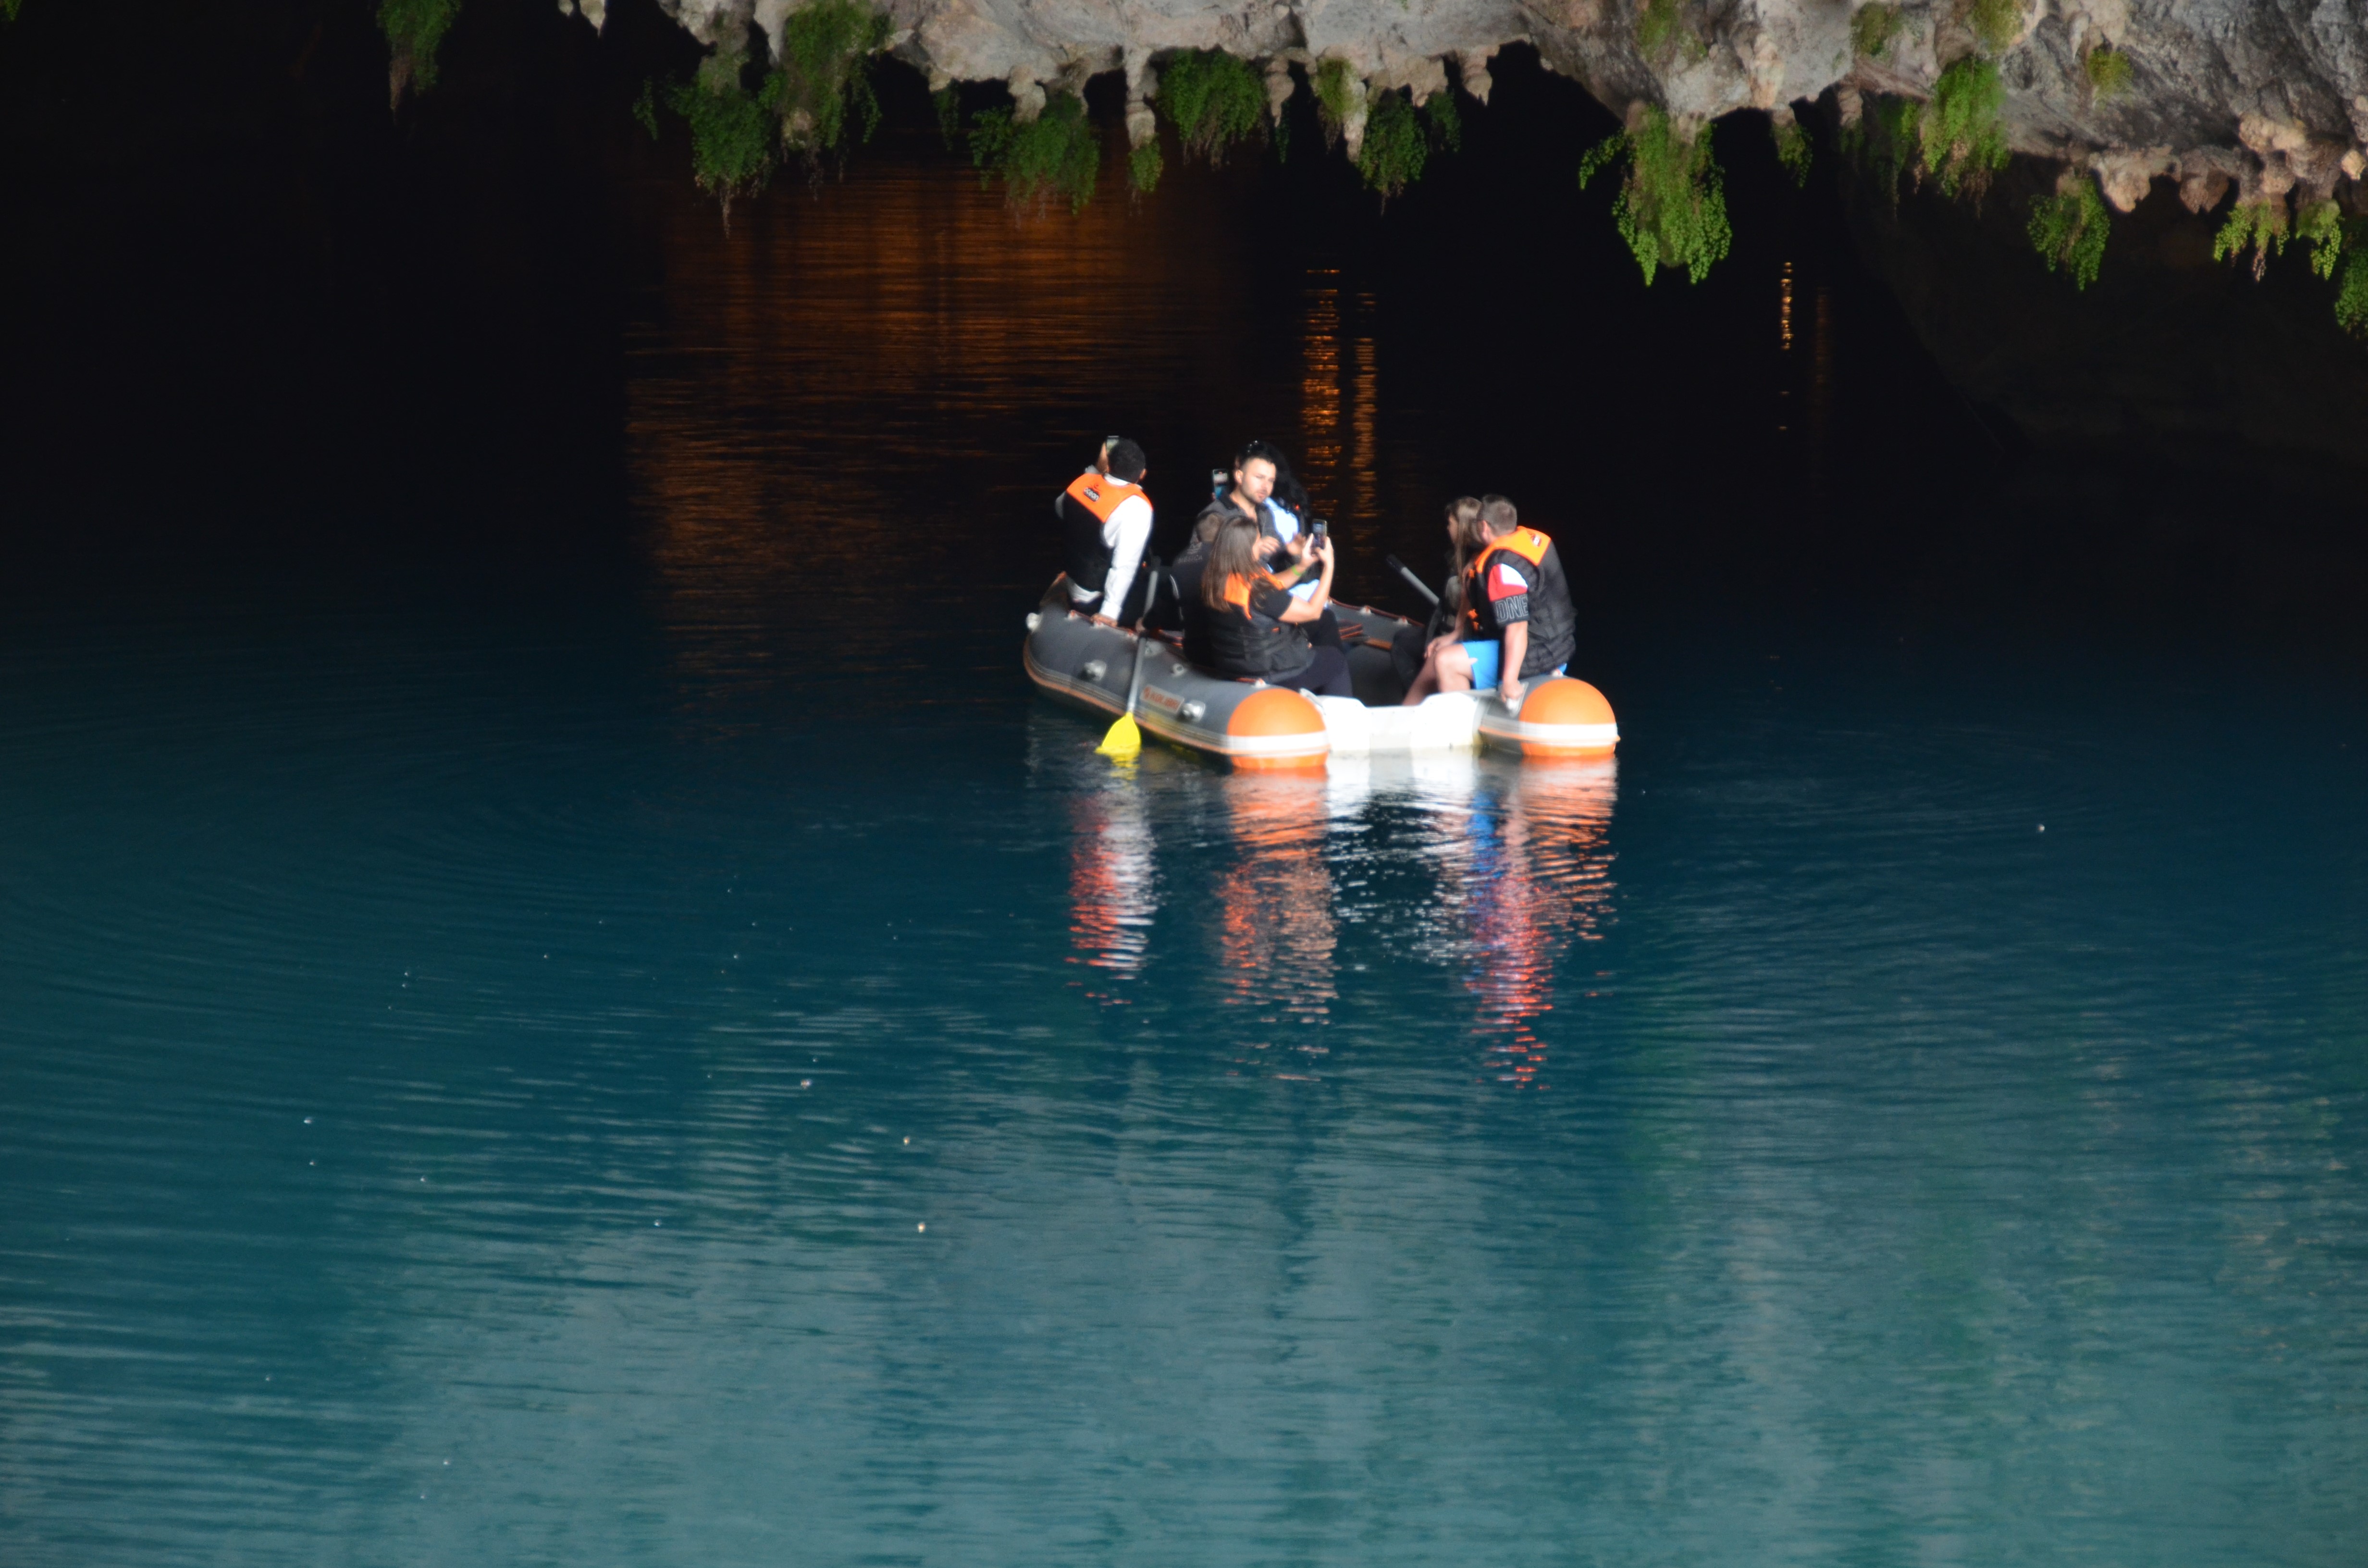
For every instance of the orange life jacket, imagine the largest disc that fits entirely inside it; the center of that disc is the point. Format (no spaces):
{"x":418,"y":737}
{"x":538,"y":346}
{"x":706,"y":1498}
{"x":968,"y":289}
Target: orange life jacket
{"x":1254,"y":644}
{"x":1084,"y":509}
{"x":1552,"y":623}
{"x":1100,"y":493}
{"x":1239,"y":586}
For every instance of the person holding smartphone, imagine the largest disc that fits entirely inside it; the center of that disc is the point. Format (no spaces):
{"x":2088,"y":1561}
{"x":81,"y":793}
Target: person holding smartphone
{"x":1256,"y":630}
{"x":1265,"y":491}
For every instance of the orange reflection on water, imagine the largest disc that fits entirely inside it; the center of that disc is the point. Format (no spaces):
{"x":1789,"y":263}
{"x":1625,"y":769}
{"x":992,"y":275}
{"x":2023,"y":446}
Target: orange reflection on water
{"x":1276,"y":932}
{"x":1320,"y":387}
{"x":1338,"y":397}
{"x":801,"y":380}
{"x":1113,"y":899}
{"x":1528,"y":873}
{"x":1364,"y":495}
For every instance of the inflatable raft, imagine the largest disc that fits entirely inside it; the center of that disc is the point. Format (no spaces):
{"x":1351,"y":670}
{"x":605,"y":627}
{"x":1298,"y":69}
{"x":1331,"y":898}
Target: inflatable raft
{"x":1253,"y":725}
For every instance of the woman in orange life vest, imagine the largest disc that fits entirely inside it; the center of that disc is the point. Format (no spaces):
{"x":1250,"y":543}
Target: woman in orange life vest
{"x":1256,"y":628}
{"x":1516,"y":621}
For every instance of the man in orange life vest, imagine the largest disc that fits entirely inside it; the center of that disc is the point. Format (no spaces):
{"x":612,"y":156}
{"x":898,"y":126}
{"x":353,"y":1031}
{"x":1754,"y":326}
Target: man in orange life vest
{"x":1517,"y":622}
{"x":1105,"y":526}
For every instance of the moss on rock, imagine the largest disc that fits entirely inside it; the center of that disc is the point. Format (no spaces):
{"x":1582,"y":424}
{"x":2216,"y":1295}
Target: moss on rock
{"x":2109,"y":71}
{"x":824,"y":81}
{"x":1964,"y":143}
{"x":1336,"y":96}
{"x":1662,"y":33}
{"x":1873,"y":27}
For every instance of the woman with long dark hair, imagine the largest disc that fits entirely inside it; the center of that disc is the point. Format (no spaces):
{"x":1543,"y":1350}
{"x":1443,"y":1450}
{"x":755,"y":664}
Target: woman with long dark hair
{"x":1256,"y":628}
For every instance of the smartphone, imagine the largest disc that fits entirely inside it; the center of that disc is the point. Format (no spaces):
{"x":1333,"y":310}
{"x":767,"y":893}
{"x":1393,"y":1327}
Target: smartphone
{"x":1319,"y":531}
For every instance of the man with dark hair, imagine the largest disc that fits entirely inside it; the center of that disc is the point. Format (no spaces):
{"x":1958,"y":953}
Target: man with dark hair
{"x":1105,"y":527}
{"x":1516,"y":623}
{"x":1264,"y":492}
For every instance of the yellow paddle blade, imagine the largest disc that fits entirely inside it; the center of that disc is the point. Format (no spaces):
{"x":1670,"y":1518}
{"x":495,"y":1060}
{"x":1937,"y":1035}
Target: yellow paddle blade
{"x":1125,"y":738}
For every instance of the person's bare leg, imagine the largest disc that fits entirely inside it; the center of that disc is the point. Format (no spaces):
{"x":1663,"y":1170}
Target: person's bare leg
{"x":1425,"y":681}
{"x":1454,"y":668}
{"x":1450,"y":669}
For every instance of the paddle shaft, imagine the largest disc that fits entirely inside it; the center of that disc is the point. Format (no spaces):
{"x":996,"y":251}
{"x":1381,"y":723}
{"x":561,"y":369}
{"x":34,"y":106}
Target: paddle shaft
{"x":1135,"y":677}
{"x":1420,"y":586}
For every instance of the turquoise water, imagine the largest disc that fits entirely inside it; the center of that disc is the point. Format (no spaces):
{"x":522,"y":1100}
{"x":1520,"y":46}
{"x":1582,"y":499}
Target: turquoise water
{"x":690,"y":1063}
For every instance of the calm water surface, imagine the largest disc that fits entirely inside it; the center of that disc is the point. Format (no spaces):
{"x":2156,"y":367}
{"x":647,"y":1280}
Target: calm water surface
{"x":700,"y":1067}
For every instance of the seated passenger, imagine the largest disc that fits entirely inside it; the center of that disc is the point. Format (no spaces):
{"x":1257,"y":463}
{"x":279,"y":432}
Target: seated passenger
{"x":1184,"y":579}
{"x":1414,"y":644}
{"x":1516,"y":623}
{"x":1106,"y":525}
{"x":1264,"y":491}
{"x":1256,"y":628}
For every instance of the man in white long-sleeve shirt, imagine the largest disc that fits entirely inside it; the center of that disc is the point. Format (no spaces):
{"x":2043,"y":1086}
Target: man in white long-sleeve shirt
{"x":1106,"y":525}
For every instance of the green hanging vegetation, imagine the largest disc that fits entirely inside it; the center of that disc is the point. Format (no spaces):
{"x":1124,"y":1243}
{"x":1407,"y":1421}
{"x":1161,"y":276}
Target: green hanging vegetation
{"x":1661,"y":29}
{"x":2259,"y":226}
{"x":1888,"y":143}
{"x":1143,"y":167}
{"x":1057,"y":153}
{"x":1995,"y":22}
{"x":1794,"y":149}
{"x":2351,"y":293}
{"x":2069,"y":231}
{"x":1672,"y":209}
{"x":1213,"y":100}
{"x":1335,"y":96}
{"x":947,"y":101}
{"x":1446,"y":120}
{"x":2109,"y":71}
{"x":8,"y":7}
{"x":1396,"y":147}
{"x":826,"y":74}
{"x":646,"y":108}
{"x":2339,"y":251}
{"x":1873,"y":27}
{"x":415,"y":30}
{"x":731,"y":133}
{"x":2321,"y":224}
{"x":1963,"y":144}
{"x":1400,"y":139}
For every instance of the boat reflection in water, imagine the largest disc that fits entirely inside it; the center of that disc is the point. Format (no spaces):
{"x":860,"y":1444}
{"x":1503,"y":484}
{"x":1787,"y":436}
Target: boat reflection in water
{"x":1472,"y":866}
{"x":1276,"y":930}
{"x":1536,"y":877}
{"x":1112,"y":897}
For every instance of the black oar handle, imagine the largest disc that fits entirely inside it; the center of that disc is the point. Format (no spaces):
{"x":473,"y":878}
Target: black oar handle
{"x":1420,"y":586}
{"x":1150,"y":565}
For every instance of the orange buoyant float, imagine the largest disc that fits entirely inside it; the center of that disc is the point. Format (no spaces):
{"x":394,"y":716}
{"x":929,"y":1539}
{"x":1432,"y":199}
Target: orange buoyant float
{"x":1567,"y":718}
{"x":1276,"y":729}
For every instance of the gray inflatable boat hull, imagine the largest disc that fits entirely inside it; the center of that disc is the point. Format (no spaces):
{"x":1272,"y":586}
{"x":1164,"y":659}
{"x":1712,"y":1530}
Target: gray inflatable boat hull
{"x":1256,"y":726}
